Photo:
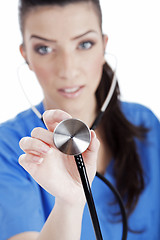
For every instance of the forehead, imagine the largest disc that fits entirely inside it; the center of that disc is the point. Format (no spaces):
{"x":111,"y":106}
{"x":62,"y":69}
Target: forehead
{"x":69,"y":19}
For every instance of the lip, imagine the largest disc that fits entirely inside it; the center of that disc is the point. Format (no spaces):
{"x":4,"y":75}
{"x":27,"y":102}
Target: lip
{"x":71,"y":92}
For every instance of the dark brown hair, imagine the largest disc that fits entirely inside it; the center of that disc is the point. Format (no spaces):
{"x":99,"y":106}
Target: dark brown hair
{"x":25,"y":6}
{"x":120,"y":134}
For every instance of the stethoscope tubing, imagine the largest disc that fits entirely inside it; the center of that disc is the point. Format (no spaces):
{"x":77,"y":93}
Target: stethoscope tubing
{"x":120,"y":202}
{"x":82,"y":169}
{"x":88,"y":195}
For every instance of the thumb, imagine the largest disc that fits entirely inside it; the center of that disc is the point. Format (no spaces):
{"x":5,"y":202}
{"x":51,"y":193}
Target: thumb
{"x":53,"y":117}
{"x":91,"y":154}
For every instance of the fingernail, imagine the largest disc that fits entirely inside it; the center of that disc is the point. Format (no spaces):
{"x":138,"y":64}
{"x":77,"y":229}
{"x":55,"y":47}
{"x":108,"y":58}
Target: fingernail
{"x":94,"y":134}
{"x":40,"y":161}
{"x":37,"y":159}
{"x":49,"y":113}
{"x":21,"y":158}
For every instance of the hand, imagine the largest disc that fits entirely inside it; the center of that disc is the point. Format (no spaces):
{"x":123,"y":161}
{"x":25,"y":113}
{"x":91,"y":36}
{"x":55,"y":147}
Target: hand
{"x":56,"y":172}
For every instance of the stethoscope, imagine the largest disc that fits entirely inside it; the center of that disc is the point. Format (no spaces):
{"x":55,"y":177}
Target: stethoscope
{"x":72,"y":137}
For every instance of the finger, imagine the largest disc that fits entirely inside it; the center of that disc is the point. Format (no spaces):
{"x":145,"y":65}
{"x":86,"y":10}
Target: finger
{"x":92,"y":152}
{"x":43,"y":135}
{"x":30,"y":158}
{"x":29,"y":164}
{"x":51,"y":117}
{"x":34,"y":146}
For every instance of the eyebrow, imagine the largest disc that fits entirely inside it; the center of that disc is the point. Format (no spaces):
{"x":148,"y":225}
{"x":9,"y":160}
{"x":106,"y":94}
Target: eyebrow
{"x":83,"y":34}
{"x":42,"y":38}
{"x":74,"y":38}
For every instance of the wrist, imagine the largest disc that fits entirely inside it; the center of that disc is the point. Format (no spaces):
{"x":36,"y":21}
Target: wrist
{"x":77,"y":205}
{"x":69,"y":215}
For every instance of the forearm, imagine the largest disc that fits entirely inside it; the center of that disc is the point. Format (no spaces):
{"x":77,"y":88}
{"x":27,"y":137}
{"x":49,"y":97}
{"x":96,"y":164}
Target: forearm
{"x":58,"y":175}
{"x":64,"y":223}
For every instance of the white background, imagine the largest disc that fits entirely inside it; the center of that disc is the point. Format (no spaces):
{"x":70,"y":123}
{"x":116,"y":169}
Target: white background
{"x":133,"y":28}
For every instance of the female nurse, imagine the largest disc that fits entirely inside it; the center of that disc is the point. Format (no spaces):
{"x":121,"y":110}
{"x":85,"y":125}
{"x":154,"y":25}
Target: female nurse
{"x":43,"y":198}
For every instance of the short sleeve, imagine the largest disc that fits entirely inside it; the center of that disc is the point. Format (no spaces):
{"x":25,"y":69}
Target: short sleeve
{"x":146,"y":216}
{"x":20,"y":196}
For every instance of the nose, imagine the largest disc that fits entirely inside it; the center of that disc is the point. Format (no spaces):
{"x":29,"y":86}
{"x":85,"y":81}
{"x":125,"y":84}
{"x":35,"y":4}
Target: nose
{"x":67,"y":68}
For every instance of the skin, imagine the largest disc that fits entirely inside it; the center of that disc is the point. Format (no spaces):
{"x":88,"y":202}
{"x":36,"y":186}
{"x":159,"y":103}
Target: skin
{"x":59,"y":177}
{"x":73,"y":58}
{"x":67,"y":61}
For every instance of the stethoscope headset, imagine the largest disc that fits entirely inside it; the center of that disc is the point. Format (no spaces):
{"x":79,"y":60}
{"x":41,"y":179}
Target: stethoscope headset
{"x":72,"y":137}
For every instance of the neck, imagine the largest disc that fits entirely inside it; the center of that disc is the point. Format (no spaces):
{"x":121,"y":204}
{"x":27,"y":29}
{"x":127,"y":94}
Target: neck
{"x":85,"y":111}
{"x":87,"y":115}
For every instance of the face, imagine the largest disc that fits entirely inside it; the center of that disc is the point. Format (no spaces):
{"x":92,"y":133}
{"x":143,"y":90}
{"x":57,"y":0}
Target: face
{"x":65,"y":48}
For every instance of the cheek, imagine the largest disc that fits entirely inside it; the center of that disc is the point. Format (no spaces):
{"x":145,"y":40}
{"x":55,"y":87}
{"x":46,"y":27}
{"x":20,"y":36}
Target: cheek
{"x":42,"y":73}
{"x":95,"y":70}
{"x":41,"y":67}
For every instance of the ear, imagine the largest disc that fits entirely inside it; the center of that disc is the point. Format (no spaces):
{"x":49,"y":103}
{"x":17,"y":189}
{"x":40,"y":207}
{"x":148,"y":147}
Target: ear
{"x":23,"y":53}
{"x":105,"y":41}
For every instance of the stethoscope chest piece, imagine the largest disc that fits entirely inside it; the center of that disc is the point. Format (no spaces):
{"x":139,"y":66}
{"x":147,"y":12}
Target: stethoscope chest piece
{"x":72,"y":136}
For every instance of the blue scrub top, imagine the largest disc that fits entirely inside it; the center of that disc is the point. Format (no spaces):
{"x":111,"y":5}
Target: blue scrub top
{"x":25,"y":206}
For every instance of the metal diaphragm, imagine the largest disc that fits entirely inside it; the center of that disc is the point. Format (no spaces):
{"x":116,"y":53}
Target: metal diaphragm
{"x":72,"y":136}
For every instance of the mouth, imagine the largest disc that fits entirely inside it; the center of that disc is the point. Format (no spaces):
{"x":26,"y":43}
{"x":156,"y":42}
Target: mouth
{"x":71,"y":92}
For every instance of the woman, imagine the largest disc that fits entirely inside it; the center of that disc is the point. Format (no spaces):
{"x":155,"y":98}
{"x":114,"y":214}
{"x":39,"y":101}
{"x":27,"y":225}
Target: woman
{"x":64,"y":45}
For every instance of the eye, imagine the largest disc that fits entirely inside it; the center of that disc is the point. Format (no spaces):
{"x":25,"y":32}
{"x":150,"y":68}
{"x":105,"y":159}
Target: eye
{"x":43,"y":50}
{"x":86,"y":45}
